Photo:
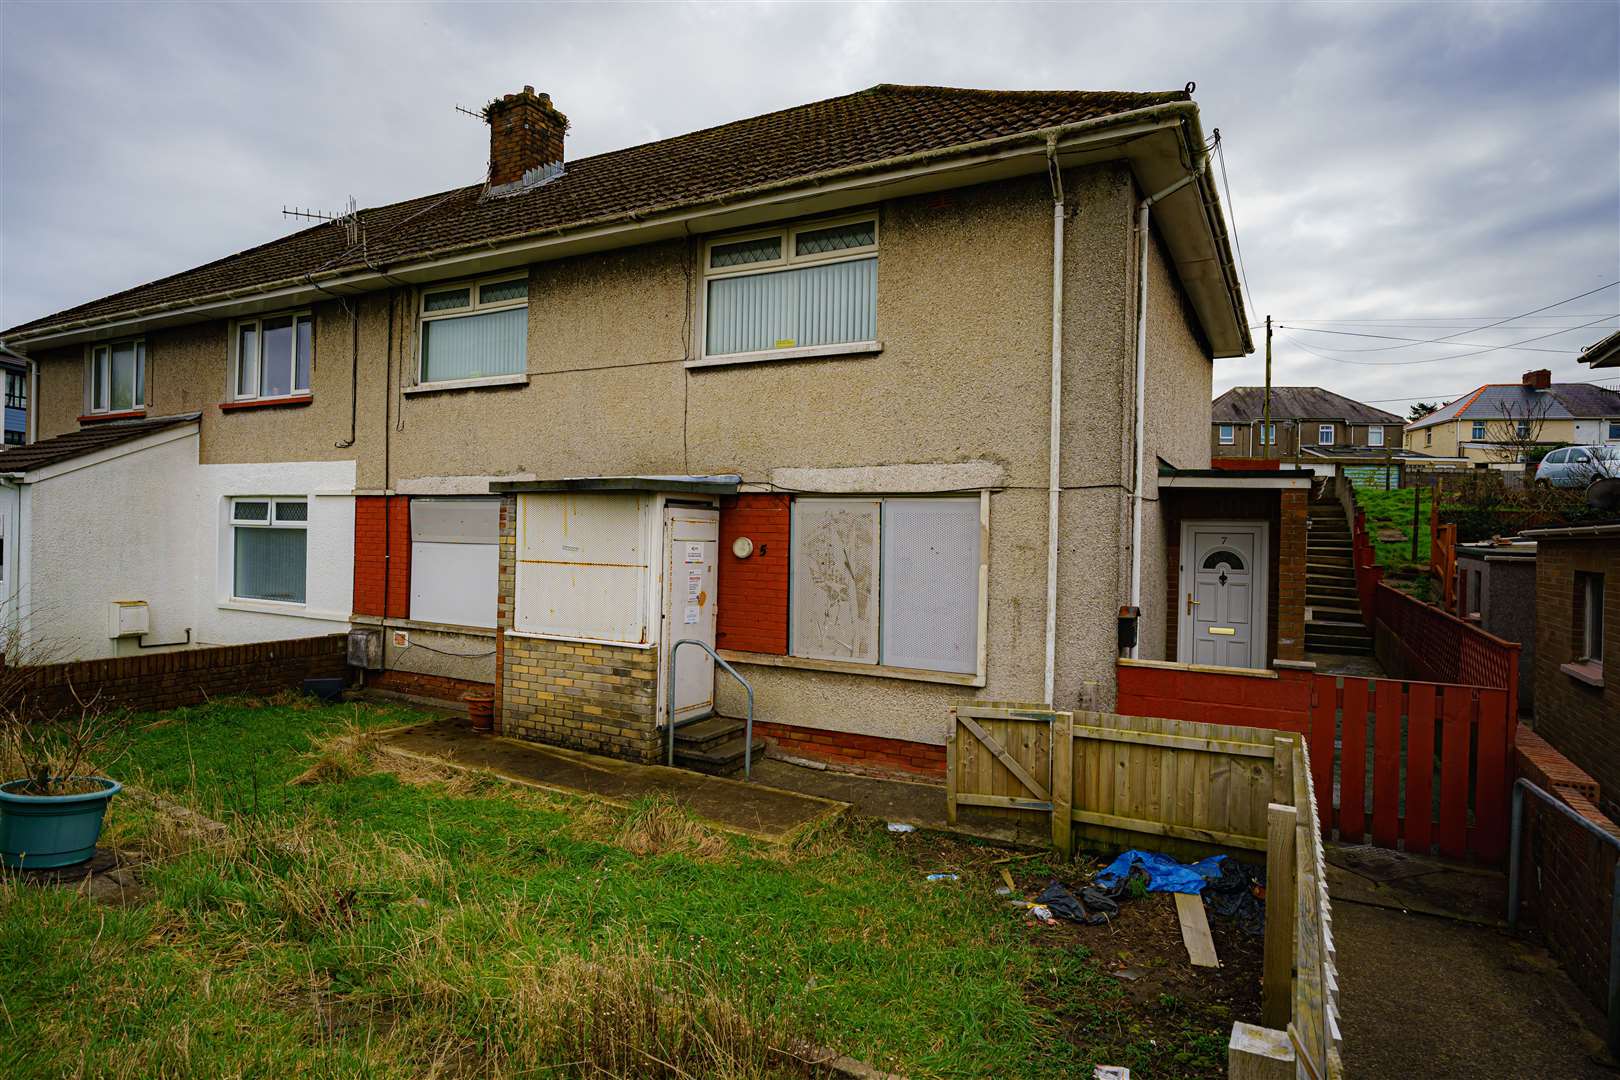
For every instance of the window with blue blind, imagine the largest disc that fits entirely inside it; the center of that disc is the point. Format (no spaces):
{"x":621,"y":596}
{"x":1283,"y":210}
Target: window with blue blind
{"x":475,"y":330}
{"x":270,"y":549}
{"x":794,"y":288}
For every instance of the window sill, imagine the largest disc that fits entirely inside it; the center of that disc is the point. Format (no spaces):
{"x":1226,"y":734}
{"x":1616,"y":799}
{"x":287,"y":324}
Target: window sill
{"x":842,"y":667}
{"x":266,"y":403}
{"x":1590,"y":672}
{"x":393,"y":622}
{"x":278,"y":607}
{"x":104,"y":417}
{"x":521,"y":379}
{"x":580,"y":640}
{"x":808,"y":352}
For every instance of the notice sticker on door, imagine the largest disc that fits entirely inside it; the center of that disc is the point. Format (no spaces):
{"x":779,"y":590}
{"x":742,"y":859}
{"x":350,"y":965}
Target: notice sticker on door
{"x":692,"y":614}
{"x":694,"y":586}
{"x":694,"y":552}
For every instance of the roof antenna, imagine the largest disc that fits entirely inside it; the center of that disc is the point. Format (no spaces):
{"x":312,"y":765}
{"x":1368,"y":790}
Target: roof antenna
{"x":469,"y":112}
{"x":349,"y":218}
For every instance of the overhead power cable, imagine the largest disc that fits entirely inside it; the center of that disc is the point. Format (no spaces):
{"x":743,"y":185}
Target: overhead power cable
{"x":1414,"y":341}
{"x":1440,"y":359}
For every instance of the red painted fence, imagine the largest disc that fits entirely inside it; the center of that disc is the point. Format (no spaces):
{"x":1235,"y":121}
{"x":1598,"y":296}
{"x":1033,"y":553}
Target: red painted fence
{"x":1418,"y":766}
{"x":1419,"y":639}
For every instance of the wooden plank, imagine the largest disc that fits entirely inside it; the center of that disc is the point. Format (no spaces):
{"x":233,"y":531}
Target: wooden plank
{"x":1195,"y":930}
{"x":1010,"y":802}
{"x":1277,"y":978}
{"x":1324,"y":751}
{"x":1386,"y":786}
{"x":950,"y":773}
{"x":1282,"y":771}
{"x":1491,"y":776}
{"x":1418,"y":822}
{"x":1159,"y":828}
{"x":1353,"y":763}
{"x":1454,"y":757}
{"x":995,"y":747}
{"x":1259,"y":1053}
{"x":1175,"y":742}
{"x":1062,"y":736}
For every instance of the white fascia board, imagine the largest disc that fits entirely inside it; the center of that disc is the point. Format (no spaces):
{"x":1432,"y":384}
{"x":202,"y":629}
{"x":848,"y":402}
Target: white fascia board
{"x":1153,"y":140}
{"x":112,"y":453}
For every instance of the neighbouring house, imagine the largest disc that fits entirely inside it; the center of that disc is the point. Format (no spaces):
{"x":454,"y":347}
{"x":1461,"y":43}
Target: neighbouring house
{"x":1496,"y":588}
{"x":894,"y":400}
{"x":17,"y":372}
{"x":1302,"y":418}
{"x":1499,"y":423}
{"x":1577,"y":659}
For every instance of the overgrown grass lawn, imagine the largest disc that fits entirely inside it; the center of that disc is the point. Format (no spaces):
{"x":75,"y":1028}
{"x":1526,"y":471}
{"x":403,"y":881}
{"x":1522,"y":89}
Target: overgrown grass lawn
{"x":1393,"y":510}
{"x":374,"y":918}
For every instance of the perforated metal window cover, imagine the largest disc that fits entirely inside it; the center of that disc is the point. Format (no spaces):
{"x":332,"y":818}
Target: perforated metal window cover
{"x":455,"y":520}
{"x":833,"y":579}
{"x":930,"y":602}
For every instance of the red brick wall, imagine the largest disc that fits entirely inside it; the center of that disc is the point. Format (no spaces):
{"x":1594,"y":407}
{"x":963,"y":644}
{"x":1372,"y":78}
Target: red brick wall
{"x":1581,"y":721}
{"x":1207,"y":697}
{"x":420,"y":685}
{"x":753,"y":611}
{"x":858,"y":753}
{"x":1288,"y":633}
{"x":382,"y":556}
{"x":1566,"y":875}
{"x":168,"y":680}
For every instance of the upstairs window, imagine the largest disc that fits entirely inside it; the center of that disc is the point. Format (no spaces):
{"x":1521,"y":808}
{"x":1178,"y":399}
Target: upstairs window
{"x":272,"y":357}
{"x":1228,"y":435}
{"x":796,"y":288}
{"x":117,"y":377}
{"x":1614,"y":431}
{"x":1479,"y":429}
{"x":16,"y":390}
{"x":475,"y":330}
{"x":1324,"y":435}
{"x":270,"y":548}
{"x":1268,"y":434}
{"x":1375,"y":435}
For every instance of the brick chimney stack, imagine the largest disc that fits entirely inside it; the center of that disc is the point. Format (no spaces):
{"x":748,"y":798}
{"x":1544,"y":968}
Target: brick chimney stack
{"x":525,"y":136}
{"x":1540,"y":379}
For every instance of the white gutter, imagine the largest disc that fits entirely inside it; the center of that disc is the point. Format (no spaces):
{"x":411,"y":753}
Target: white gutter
{"x":1054,"y":488}
{"x":1142,"y":223}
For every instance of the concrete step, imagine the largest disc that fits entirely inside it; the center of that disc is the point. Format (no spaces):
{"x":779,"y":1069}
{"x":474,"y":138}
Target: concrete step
{"x":703,"y":735}
{"x":1323,"y":598}
{"x":1333,"y":614}
{"x":721,"y":759}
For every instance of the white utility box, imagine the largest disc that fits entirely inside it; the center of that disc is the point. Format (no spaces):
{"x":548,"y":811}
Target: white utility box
{"x":128,"y":618}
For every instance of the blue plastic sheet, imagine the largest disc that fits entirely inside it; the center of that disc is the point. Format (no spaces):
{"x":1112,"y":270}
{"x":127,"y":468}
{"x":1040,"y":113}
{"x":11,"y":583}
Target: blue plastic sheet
{"x":1164,"y":873}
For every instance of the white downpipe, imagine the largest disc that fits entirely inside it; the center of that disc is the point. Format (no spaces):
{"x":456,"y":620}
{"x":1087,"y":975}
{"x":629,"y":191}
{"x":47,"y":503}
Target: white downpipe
{"x":1142,"y":222}
{"x":1053,"y":479}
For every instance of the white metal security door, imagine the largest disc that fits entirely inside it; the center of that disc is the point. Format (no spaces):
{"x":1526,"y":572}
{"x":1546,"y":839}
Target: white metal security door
{"x":691,"y":542}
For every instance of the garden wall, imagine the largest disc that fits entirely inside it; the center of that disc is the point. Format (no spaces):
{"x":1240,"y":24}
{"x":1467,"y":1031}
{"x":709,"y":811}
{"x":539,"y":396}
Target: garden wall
{"x":168,"y":680}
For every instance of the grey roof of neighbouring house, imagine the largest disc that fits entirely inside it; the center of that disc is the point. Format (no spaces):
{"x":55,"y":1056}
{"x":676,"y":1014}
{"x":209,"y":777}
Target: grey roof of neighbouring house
{"x":87,"y":440}
{"x":1514,"y":401}
{"x":1242,"y":404}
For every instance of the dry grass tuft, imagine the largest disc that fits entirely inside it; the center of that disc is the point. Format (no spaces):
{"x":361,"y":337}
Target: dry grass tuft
{"x":348,"y":753}
{"x":660,"y":825}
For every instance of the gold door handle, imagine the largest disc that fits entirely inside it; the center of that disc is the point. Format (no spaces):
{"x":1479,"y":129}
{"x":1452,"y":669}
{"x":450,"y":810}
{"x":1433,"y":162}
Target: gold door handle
{"x":1191,"y":603}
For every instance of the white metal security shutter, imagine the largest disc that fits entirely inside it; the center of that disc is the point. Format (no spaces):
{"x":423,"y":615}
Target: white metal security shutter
{"x":835,"y":579}
{"x":455,"y":560}
{"x":931,"y":558}
{"x":582,"y":566}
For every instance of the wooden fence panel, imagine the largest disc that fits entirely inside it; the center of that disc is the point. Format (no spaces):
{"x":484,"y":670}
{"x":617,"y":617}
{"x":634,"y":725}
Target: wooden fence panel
{"x":1455,"y":743}
{"x":1386,"y":787}
{"x":1353,"y":761}
{"x":1418,"y":821}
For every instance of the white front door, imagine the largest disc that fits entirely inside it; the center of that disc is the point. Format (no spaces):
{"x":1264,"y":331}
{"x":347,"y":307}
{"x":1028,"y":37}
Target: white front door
{"x":1223,"y":578}
{"x":691,"y":542}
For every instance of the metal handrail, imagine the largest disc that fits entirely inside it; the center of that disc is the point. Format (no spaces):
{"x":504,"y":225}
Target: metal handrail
{"x":1519,"y":788}
{"x":670,"y":723}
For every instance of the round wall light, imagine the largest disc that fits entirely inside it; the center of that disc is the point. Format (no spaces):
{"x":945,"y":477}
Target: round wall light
{"x":742,"y":547}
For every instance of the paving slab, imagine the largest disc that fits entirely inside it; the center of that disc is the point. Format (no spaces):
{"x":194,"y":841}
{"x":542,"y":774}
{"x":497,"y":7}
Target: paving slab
{"x":751,"y":808}
{"x":913,"y":803}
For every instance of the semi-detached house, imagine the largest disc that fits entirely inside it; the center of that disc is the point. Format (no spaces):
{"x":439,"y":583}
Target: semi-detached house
{"x":877,"y":395}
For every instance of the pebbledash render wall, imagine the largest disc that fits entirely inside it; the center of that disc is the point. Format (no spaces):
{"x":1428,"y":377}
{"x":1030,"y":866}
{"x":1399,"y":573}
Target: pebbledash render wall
{"x":964,"y":316}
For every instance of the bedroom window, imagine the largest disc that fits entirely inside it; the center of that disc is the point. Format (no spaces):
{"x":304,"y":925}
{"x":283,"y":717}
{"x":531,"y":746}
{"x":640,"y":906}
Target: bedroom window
{"x":1324,"y":435}
{"x":1228,"y":434}
{"x":806,"y":289}
{"x":475,"y":330}
{"x":1375,"y":435}
{"x":272,"y":357}
{"x":270,"y":543}
{"x":117,"y":381}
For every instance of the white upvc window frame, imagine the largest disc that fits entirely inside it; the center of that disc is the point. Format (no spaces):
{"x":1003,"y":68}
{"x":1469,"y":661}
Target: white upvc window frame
{"x":1375,"y":435}
{"x":1227,"y":434}
{"x":475,"y":306}
{"x":1267,"y":438}
{"x":99,"y":355}
{"x":786,"y":260}
{"x":1477,"y":431}
{"x":272,"y":520}
{"x":1591,"y":644}
{"x":1324,"y":435}
{"x":1611,"y":429}
{"x":257,"y":322}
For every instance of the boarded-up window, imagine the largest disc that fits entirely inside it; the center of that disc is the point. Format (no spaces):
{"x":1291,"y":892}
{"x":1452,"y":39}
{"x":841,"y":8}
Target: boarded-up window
{"x":455,"y":558}
{"x":582,"y":566}
{"x":931,"y":560}
{"x":835,"y":579}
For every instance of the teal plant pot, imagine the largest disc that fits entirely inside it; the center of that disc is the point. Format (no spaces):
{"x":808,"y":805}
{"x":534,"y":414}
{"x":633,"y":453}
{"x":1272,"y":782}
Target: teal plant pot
{"x":41,"y":831}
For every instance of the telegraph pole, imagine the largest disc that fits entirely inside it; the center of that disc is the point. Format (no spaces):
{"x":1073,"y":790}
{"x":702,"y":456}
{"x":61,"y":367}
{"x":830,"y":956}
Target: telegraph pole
{"x":1266,"y":437}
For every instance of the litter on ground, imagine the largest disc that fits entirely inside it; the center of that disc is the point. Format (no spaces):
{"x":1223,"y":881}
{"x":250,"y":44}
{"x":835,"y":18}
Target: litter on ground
{"x":1164,"y":874}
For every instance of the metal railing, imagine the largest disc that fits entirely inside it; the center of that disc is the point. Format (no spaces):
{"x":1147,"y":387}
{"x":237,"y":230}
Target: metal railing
{"x":1519,"y":788}
{"x":670,"y":723}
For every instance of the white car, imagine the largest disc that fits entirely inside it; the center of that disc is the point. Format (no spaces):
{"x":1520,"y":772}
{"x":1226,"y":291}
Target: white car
{"x":1579,"y":466}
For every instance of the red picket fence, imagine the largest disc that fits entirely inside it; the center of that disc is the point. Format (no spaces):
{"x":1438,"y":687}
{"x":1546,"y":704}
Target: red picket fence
{"x":1401,"y":764}
{"x":1443,"y":552}
{"x":1419,"y":639}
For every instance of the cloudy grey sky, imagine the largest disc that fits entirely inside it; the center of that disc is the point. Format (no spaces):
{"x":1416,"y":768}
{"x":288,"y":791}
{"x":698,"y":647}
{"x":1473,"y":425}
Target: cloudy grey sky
{"x":1418,"y":169}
